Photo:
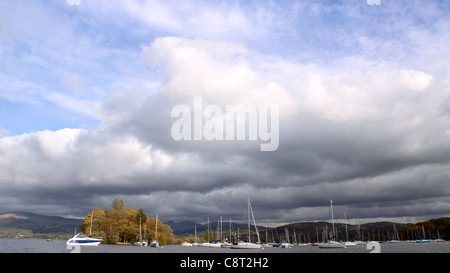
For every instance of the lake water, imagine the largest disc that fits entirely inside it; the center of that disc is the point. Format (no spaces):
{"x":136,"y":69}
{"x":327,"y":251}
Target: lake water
{"x":59,"y":246}
{"x":175,"y":258}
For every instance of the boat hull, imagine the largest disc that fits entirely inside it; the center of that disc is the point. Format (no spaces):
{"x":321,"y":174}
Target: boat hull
{"x":83,"y":244}
{"x":82,"y":240}
{"x":246,"y":246}
{"x":154,"y":244}
{"x":423,"y":241}
{"x":331,"y":245}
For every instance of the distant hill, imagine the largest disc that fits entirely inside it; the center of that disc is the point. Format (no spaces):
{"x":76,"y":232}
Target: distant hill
{"x":378,"y":231}
{"x":33,"y":224}
{"x":432,"y":229}
{"x":303,"y":231}
{"x":188,"y":227}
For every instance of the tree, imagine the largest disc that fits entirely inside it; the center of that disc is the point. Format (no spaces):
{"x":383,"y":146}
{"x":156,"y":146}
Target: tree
{"x":97,"y":217}
{"x":121,"y":224}
{"x":119,"y":204}
{"x":141,"y":217}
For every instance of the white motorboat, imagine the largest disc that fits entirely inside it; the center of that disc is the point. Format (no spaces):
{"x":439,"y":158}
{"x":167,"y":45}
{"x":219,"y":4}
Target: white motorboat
{"x":82,"y":239}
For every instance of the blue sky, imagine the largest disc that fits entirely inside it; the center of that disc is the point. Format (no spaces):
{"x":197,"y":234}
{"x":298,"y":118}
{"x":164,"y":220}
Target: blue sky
{"x":86,"y":92}
{"x":100,"y":43}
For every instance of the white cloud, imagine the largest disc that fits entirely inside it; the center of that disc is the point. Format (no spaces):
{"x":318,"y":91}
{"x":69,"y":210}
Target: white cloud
{"x":83,"y":106}
{"x":362,"y":96}
{"x":220,"y":72}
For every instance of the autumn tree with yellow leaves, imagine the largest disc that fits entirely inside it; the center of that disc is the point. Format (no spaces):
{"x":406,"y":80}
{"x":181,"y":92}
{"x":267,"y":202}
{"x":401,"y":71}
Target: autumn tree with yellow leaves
{"x":120,"y":224}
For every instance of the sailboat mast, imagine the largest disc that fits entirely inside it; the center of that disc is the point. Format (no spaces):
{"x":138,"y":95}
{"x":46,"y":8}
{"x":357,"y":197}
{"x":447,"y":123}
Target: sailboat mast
{"x":248,"y":216}
{"x":156,"y":229}
{"x":346,"y":221}
{"x":230,"y":230}
{"x":254,"y":223}
{"x":90,"y":228}
{"x":140,"y":229}
{"x":332,"y":217}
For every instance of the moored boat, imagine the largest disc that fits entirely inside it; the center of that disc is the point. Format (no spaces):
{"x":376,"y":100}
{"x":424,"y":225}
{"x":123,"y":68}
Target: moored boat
{"x":331,"y":244}
{"x":155,"y":242}
{"x":82,"y":239}
{"x":246,"y":245}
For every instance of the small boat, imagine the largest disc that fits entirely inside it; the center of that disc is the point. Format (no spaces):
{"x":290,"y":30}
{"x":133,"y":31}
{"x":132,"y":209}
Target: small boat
{"x":246,"y":245}
{"x":140,"y":242}
{"x":226,"y":245}
{"x":423,"y":241}
{"x":439,"y":240}
{"x":155,"y":242}
{"x":285,"y":244}
{"x":267,"y":245}
{"x":331,"y":244}
{"x":186,"y":244}
{"x":249,"y":244}
{"x":82,"y":239}
{"x":215,"y":244}
{"x":347,"y":244}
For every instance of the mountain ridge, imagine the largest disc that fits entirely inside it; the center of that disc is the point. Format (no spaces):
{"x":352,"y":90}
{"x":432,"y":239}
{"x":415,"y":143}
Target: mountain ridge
{"x":34,"y":224}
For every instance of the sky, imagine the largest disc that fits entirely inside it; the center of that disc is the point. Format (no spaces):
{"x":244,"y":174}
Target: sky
{"x":88,"y":89}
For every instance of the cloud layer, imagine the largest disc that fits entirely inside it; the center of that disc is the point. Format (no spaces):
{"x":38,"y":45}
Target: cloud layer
{"x":364,"y":109}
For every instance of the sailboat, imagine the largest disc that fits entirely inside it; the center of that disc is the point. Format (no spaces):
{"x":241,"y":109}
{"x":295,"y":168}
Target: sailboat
{"x":249,"y":244}
{"x":195,"y":243}
{"x":332,"y":243}
{"x":226,"y":243}
{"x":155,"y":242}
{"x":396,"y":237}
{"x":140,"y":242}
{"x":286,"y":243}
{"x":206,"y":244}
{"x":439,"y":238}
{"x":423,"y":240}
{"x":347,"y":243}
{"x":218,"y":241}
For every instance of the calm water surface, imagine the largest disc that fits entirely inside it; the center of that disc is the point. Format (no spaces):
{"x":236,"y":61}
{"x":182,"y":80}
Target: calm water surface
{"x":59,"y":246}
